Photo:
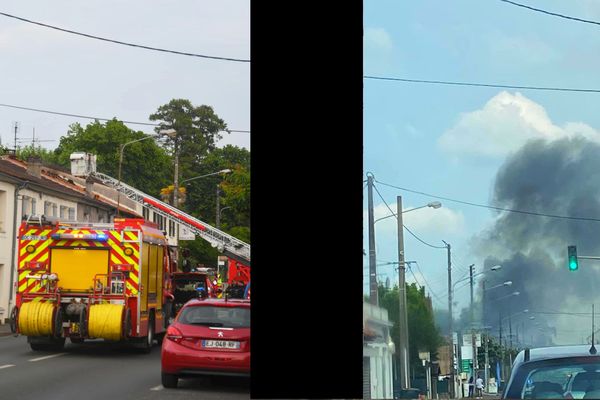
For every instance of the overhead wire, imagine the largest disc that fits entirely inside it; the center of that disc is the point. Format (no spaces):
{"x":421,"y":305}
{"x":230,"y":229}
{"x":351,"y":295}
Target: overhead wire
{"x":434,"y":294}
{"x":123,"y":43}
{"x":538,"y":214}
{"x":94,"y":118}
{"x":587,"y":21}
{"x":455,"y":83}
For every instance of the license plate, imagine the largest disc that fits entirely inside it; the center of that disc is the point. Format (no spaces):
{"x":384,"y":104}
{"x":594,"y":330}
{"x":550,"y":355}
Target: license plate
{"x":220,"y":344}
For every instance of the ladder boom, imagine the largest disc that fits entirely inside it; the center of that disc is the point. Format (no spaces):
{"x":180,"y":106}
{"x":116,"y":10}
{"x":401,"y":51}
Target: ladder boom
{"x":224,"y":242}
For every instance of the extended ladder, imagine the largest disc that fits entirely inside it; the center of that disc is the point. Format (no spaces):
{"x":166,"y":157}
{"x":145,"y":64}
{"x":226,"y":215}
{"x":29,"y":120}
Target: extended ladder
{"x":225,"y":243}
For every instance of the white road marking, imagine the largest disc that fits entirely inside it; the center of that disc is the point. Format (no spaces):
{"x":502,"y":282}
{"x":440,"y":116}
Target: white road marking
{"x":6,"y":366}
{"x":159,"y":387}
{"x":46,"y":357}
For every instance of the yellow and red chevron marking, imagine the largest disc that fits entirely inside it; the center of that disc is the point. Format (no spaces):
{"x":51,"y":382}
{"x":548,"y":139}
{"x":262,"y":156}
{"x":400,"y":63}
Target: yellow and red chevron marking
{"x":42,"y":253}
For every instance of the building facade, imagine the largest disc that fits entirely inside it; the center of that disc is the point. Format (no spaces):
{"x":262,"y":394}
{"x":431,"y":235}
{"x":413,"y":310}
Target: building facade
{"x":378,"y":350}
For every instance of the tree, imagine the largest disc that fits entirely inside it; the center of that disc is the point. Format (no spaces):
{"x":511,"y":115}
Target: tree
{"x":422,"y":332}
{"x":27,"y":152}
{"x":198,"y":129}
{"x":146,"y":165}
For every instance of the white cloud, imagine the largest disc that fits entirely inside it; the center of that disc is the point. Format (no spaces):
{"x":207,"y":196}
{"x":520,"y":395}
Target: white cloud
{"x":423,"y":221}
{"x":377,"y":38}
{"x":503,"y":125}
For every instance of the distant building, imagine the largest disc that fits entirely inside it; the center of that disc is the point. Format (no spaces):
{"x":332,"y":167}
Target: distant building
{"x":378,"y":348}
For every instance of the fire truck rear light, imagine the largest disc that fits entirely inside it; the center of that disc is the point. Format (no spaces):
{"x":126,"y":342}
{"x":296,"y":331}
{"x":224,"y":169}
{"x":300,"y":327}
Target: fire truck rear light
{"x":99,"y":237}
{"x":174,"y":334}
{"x":122,"y":267}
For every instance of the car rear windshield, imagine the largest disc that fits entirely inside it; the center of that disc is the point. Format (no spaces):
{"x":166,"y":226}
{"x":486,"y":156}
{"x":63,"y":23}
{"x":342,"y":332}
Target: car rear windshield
{"x":225,"y":317}
{"x":564,"y":379}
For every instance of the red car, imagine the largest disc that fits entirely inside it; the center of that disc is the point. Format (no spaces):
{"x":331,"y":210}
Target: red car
{"x":208,"y":337}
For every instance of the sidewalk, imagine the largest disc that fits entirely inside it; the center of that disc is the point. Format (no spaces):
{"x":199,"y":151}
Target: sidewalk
{"x":5,"y":330}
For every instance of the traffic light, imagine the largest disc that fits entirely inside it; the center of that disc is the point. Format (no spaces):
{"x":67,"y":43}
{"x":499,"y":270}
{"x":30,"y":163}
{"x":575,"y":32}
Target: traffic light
{"x":573,"y":264}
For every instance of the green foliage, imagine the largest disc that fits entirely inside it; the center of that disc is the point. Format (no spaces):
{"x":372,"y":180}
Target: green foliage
{"x":146,"y":165}
{"x":198,"y":129}
{"x":46,"y":156}
{"x":423,"y":334}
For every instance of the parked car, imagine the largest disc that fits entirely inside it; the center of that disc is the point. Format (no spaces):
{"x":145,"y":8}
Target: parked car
{"x":560,"y":372}
{"x":208,"y":337}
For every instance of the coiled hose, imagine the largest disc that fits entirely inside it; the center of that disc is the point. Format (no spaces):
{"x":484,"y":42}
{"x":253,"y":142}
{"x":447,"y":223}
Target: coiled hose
{"x":36,"y":318}
{"x":105,"y":321}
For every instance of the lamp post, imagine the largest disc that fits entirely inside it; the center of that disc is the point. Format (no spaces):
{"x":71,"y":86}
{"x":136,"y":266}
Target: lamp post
{"x":122,"y":148}
{"x":403,"y":317}
{"x":403,"y":321}
{"x":487,"y":339}
{"x":471,"y":277}
{"x":218,"y":213}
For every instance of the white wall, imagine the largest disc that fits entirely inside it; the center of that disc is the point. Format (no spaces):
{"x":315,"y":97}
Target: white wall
{"x":7,"y":191}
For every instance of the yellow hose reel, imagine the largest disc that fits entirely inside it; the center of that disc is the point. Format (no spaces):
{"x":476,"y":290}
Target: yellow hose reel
{"x":36,"y":318}
{"x":105,"y":321}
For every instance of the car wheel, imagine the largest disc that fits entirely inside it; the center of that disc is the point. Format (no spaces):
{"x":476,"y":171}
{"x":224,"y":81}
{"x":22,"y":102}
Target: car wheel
{"x":169,"y":380}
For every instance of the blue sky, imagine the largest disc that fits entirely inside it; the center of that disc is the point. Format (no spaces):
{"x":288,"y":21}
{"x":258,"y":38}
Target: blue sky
{"x":451,"y":140}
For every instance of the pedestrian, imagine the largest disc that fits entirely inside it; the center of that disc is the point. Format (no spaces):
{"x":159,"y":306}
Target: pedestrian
{"x":471,"y":386}
{"x":479,"y":386}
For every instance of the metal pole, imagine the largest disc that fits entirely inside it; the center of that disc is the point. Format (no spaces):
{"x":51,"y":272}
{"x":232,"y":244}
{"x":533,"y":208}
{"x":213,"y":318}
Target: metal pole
{"x":501,"y":348}
{"x":218,"y":209}
{"x":404,"y":349}
{"x":473,"y":341}
{"x":372,"y":262}
{"x":487,"y":338}
{"x":118,"y":191}
{"x":451,"y":388}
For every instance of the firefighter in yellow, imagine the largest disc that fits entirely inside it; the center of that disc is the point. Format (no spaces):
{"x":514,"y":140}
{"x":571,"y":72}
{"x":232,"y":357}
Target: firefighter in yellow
{"x":218,"y":283}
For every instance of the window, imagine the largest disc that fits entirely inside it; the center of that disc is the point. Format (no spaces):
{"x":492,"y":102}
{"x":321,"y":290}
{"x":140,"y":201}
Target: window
{"x":71,"y":214}
{"x":47,"y":206}
{"x":54,"y":213}
{"x":63,"y":212}
{"x":171,"y":228}
{"x":33,"y":206}
{"x":145,"y":213}
{"x":2,"y":211}
{"x":226,"y":317}
{"x":24,"y":206}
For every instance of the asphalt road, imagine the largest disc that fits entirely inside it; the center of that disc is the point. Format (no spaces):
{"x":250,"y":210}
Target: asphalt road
{"x":98,"y":370}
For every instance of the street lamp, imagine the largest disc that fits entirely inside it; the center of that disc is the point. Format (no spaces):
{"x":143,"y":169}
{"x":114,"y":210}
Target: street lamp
{"x":403,"y":320}
{"x":122,"y":148}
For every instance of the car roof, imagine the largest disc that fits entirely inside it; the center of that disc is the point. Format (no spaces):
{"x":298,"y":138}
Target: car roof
{"x":218,"y":302}
{"x":549,"y":353}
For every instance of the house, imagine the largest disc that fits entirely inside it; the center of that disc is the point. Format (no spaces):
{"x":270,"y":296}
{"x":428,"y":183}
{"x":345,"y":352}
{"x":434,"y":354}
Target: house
{"x":378,"y":349}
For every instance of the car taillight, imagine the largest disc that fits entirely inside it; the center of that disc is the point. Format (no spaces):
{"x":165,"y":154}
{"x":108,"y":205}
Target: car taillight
{"x":174,"y":334}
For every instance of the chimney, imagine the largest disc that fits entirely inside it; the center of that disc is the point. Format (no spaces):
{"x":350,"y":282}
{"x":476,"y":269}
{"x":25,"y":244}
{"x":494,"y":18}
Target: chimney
{"x":89,"y":186}
{"x":34,"y":166}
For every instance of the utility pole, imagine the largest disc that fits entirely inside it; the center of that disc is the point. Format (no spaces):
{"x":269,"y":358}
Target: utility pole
{"x":218,"y":219}
{"x":372,"y":262}
{"x":487,"y":338}
{"x":404,"y":356}
{"x":473,"y":341}
{"x":501,"y":348}
{"x":451,"y":388}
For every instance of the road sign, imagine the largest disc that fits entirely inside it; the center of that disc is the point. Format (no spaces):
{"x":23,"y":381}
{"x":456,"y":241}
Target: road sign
{"x":465,"y":365}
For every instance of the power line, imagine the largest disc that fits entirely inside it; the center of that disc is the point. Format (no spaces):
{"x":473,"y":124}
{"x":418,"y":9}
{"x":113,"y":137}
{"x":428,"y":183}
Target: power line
{"x":409,"y":231}
{"x":428,"y":285}
{"x":493,"y":207}
{"x":93,"y":118}
{"x":551,"y":13}
{"x":124,"y":43}
{"x":558,"y":89}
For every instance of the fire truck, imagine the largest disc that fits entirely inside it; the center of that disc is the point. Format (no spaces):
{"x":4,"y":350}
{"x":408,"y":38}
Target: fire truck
{"x":110,"y":281}
{"x":91,"y":280}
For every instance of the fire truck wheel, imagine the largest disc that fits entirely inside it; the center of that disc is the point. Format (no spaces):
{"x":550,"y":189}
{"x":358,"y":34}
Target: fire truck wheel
{"x":14,"y":314}
{"x":149,"y":340}
{"x":169,"y":380}
{"x":53,"y":344}
{"x":126,"y":329}
{"x":58,"y":321}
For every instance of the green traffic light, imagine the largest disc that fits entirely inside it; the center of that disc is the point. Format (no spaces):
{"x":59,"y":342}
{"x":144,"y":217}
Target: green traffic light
{"x":573,"y":262}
